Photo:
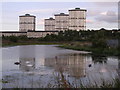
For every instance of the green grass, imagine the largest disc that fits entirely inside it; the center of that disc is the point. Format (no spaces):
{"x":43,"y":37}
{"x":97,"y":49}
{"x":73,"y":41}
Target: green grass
{"x":97,"y":51}
{"x":39,"y":43}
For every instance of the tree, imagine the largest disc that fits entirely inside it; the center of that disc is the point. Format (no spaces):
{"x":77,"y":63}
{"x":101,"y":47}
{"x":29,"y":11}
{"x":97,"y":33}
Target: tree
{"x":13,"y":38}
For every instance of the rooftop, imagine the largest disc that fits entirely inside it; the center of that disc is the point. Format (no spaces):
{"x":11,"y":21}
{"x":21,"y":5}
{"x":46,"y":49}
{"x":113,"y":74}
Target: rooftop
{"x":62,"y":14}
{"x":27,"y":15}
{"x":78,"y":9}
{"x":50,"y":18}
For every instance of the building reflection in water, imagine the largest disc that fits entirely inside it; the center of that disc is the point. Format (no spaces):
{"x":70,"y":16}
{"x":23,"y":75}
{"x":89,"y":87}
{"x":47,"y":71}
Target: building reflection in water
{"x":72,"y":64}
{"x":119,"y":64}
{"x":119,"y":68}
{"x":99,"y":59}
{"x":27,"y":64}
{"x":27,"y":58}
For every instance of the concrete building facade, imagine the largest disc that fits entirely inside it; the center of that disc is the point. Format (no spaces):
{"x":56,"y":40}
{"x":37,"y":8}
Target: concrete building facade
{"x":49,"y":24}
{"x":77,"y":19}
{"x":29,"y":34}
{"x":12,"y":33}
{"x":27,"y":22}
{"x":61,"y":22}
{"x":38,"y":34}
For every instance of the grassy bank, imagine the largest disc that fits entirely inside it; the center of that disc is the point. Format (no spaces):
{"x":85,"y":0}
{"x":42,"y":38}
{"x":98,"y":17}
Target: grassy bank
{"x":7,"y":43}
{"x":80,"y":46}
{"x":36,"y":43}
{"x":75,"y":45}
{"x":99,"y":42}
{"x":97,"y":51}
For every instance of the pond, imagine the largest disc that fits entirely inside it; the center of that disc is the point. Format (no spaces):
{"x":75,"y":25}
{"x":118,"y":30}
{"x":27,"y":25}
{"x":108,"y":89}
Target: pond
{"x":48,"y":66}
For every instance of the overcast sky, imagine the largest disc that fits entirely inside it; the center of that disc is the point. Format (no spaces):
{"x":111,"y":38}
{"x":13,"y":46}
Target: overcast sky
{"x":99,"y":14}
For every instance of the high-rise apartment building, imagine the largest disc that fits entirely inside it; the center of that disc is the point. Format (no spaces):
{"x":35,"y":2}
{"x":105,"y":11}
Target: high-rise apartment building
{"x":77,"y":19}
{"x":61,"y":21}
{"x":27,"y":22}
{"x":49,"y":24}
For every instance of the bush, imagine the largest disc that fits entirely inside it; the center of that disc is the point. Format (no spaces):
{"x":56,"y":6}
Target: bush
{"x":13,"y":39}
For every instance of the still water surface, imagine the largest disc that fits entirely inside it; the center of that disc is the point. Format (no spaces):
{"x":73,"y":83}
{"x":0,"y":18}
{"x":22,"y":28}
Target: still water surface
{"x":44,"y":65}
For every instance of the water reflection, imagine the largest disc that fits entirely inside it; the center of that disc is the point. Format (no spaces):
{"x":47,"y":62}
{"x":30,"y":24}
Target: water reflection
{"x":119,"y":62}
{"x":27,"y":58}
{"x":99,"y":59}
{"x":72,"y":64}
{"x":41,"y":61}
{"x":119,"y":68}
{"x":27,"y":64}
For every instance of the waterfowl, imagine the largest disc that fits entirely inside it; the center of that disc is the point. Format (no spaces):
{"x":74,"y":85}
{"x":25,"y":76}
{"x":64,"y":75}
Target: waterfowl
{"x":89,"y":65}
{"x":17,"y":63}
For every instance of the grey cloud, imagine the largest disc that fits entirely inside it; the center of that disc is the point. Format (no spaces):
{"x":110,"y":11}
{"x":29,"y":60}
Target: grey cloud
{"x":110,"y":17}
{"x":106,"y":4}
{"x":111,"y":13}
{"x":93,"y":13}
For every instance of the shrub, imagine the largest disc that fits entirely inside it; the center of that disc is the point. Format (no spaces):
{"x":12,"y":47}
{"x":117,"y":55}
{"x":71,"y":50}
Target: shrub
{"x":13,"y":39}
